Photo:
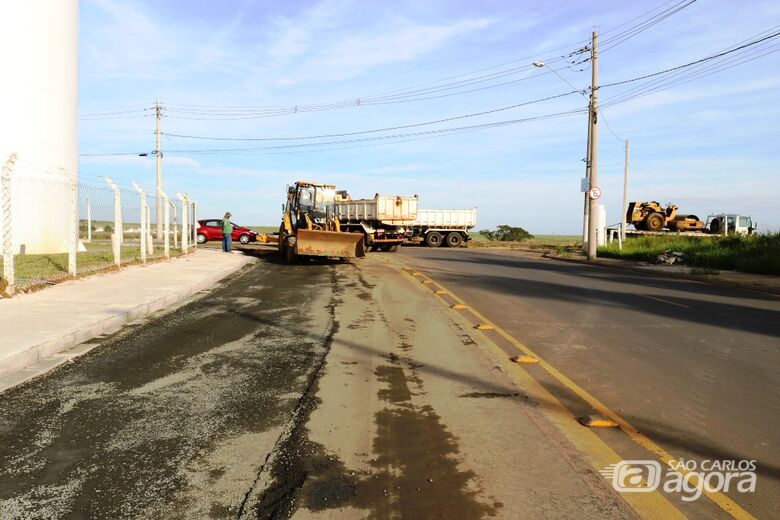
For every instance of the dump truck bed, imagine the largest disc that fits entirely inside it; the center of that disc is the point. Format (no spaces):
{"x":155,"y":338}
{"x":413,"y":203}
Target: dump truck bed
{"x":447,"y":218}
{"x":393,"y":210}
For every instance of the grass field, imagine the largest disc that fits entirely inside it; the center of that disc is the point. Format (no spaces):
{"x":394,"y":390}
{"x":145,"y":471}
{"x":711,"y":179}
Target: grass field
{"x":265,"y":229}
{"x":31,"y":270}
{"x":759,"y":254}
{"x":538,"y":242}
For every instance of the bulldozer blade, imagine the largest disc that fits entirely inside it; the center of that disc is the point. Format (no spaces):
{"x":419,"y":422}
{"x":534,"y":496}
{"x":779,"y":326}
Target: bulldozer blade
{"x":329,"y":243}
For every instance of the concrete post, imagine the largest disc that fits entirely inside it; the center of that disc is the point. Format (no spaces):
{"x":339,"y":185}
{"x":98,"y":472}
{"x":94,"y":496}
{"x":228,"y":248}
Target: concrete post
{"x":116,"y":237}
{"x":89,"y":221}
{"x":175,"y":225}
{"x":149,"y":239}
{"x":624,"y":219}
{"x":5,"y":208}
{"x":593,"y":156}
{"x":184,"y":225}
{"x":73,"y":232}
{"x":166,"y":218}
{"x":194,"y":226}
{"x":144,"y":224}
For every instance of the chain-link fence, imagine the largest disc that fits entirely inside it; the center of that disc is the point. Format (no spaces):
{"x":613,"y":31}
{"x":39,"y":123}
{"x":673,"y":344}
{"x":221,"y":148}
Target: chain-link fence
{"x":55,"y":226}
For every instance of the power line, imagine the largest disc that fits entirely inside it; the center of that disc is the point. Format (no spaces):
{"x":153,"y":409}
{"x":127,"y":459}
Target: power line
{"x":376,"y":130}
{"x":702,"y":60}
{"x":441,"y":131}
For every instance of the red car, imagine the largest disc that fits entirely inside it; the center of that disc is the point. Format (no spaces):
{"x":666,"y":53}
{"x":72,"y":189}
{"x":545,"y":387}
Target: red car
{"x":211,"y":229}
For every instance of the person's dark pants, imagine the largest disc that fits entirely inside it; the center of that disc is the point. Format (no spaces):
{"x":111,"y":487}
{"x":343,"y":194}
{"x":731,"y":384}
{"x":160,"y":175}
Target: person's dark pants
{"x":227,"y":242}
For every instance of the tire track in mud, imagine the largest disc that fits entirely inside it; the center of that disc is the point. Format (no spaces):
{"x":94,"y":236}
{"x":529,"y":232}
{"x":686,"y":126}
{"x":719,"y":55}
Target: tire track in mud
{"x":413,"y":472}
{"x":275,"y":498}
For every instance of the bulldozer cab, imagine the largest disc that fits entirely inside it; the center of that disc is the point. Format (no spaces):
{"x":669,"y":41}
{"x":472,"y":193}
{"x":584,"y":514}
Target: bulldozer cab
{"x":312,"y":206}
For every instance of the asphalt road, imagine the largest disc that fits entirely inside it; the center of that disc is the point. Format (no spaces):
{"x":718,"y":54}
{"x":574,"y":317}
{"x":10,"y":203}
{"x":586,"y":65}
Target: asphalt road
{"x":171,"y":417}
{"x":694,"y":366}
{"x":321,"y":389}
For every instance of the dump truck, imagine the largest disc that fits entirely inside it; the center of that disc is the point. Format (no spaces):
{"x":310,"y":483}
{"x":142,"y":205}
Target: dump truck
{"x":384,"y":221}
{"x":449,"y":227}
{"x":651,"y":216}
{"x":310,"y":228}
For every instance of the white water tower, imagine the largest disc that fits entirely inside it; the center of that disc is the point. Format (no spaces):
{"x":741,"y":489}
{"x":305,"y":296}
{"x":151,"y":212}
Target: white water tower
{"x":39,"y":118}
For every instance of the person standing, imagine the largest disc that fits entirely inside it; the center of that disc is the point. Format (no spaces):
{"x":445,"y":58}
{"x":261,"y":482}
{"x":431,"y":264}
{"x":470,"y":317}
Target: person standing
{"x":227,"y":233}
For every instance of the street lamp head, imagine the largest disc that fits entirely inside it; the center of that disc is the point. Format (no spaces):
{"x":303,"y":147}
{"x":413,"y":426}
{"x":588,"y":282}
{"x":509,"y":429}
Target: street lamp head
{"x":538,"y":64}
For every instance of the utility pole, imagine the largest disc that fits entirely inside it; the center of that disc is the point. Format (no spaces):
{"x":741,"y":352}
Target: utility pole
{"x":158,"y":153}
{"x":624,"y":220}
{"x":586,"y":198}
{"x":594,"y":145}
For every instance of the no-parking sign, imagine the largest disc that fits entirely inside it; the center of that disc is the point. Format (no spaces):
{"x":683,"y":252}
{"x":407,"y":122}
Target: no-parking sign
{"x":594,"y":193}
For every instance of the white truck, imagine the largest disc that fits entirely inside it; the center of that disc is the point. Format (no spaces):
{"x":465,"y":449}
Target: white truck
{"x":739,"y":224}
{"x":386,"y":221}
{"x":434,"y":227}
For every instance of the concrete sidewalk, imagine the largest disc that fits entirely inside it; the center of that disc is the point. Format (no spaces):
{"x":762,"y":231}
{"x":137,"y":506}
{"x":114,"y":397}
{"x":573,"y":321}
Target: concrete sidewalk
{"x":38,"y":325}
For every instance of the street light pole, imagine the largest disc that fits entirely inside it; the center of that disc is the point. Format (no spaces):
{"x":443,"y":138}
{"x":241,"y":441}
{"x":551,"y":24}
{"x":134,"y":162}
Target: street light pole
{"x":594,"y":146}
{"x":624,"y":220}
{"x":586,"y":196}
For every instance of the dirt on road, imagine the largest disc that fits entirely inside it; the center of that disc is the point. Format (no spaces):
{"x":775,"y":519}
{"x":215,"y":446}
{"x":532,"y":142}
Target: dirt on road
{"x":314,"y":390}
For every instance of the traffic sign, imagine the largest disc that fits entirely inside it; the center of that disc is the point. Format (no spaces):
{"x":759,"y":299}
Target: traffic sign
{"x":584,"y":184}
{"x":594,"y":193}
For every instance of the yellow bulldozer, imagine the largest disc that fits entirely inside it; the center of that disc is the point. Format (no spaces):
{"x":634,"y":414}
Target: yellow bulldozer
{"x":310,"y":227}
{"x":651,"y":216}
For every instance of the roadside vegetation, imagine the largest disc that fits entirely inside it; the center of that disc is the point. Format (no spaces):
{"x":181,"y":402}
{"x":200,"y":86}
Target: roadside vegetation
{"x":40,"y":269}
{"x":509,"y":236}
{"x":758,"y":254}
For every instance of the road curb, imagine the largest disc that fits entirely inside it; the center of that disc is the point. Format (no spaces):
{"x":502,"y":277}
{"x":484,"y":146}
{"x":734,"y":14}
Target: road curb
{"x":679,"y":276}
{"x":36,"y":353}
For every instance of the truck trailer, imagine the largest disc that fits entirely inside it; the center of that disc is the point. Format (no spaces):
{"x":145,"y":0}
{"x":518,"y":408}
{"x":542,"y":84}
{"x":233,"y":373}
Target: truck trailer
{"x":385,"y":221}
{"x":434,"y":227}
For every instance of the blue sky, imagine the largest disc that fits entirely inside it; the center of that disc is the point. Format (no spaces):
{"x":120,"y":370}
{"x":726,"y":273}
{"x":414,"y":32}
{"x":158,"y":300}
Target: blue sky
{"x":709,"y":145}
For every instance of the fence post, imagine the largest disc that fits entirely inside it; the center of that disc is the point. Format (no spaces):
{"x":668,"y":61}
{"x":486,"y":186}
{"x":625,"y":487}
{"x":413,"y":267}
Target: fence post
{"x":143,"y":221}
{"x":194,"y":224}
{"x":175,"y":225}
{"x":149,"y":240}
{"x":184,"y":224}
{"x":116,"y":238}
{"x":5,"y":202}
{"x":89,"y":221}
{"x":166,"y":219}
{"x":73,"y":239}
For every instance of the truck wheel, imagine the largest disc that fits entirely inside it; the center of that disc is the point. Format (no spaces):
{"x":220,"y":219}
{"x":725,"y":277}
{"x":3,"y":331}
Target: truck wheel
{"x":454,"y":239}
{"x":715,"y":226}
{"x":433,"y":239}
{"x":393,"y":248}
{"x":655,"y":222}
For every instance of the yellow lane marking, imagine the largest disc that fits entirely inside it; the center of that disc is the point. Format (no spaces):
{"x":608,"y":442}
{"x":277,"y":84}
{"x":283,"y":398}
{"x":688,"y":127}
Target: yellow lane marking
{"x":724,"y":502}
{"x":597,"y":453}
{"x":656,"y":298}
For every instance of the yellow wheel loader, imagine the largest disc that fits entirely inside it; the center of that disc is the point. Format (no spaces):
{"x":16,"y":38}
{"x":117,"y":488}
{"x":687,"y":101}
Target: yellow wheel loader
{"x":310,"y":227}
{"x":651,"y":216}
